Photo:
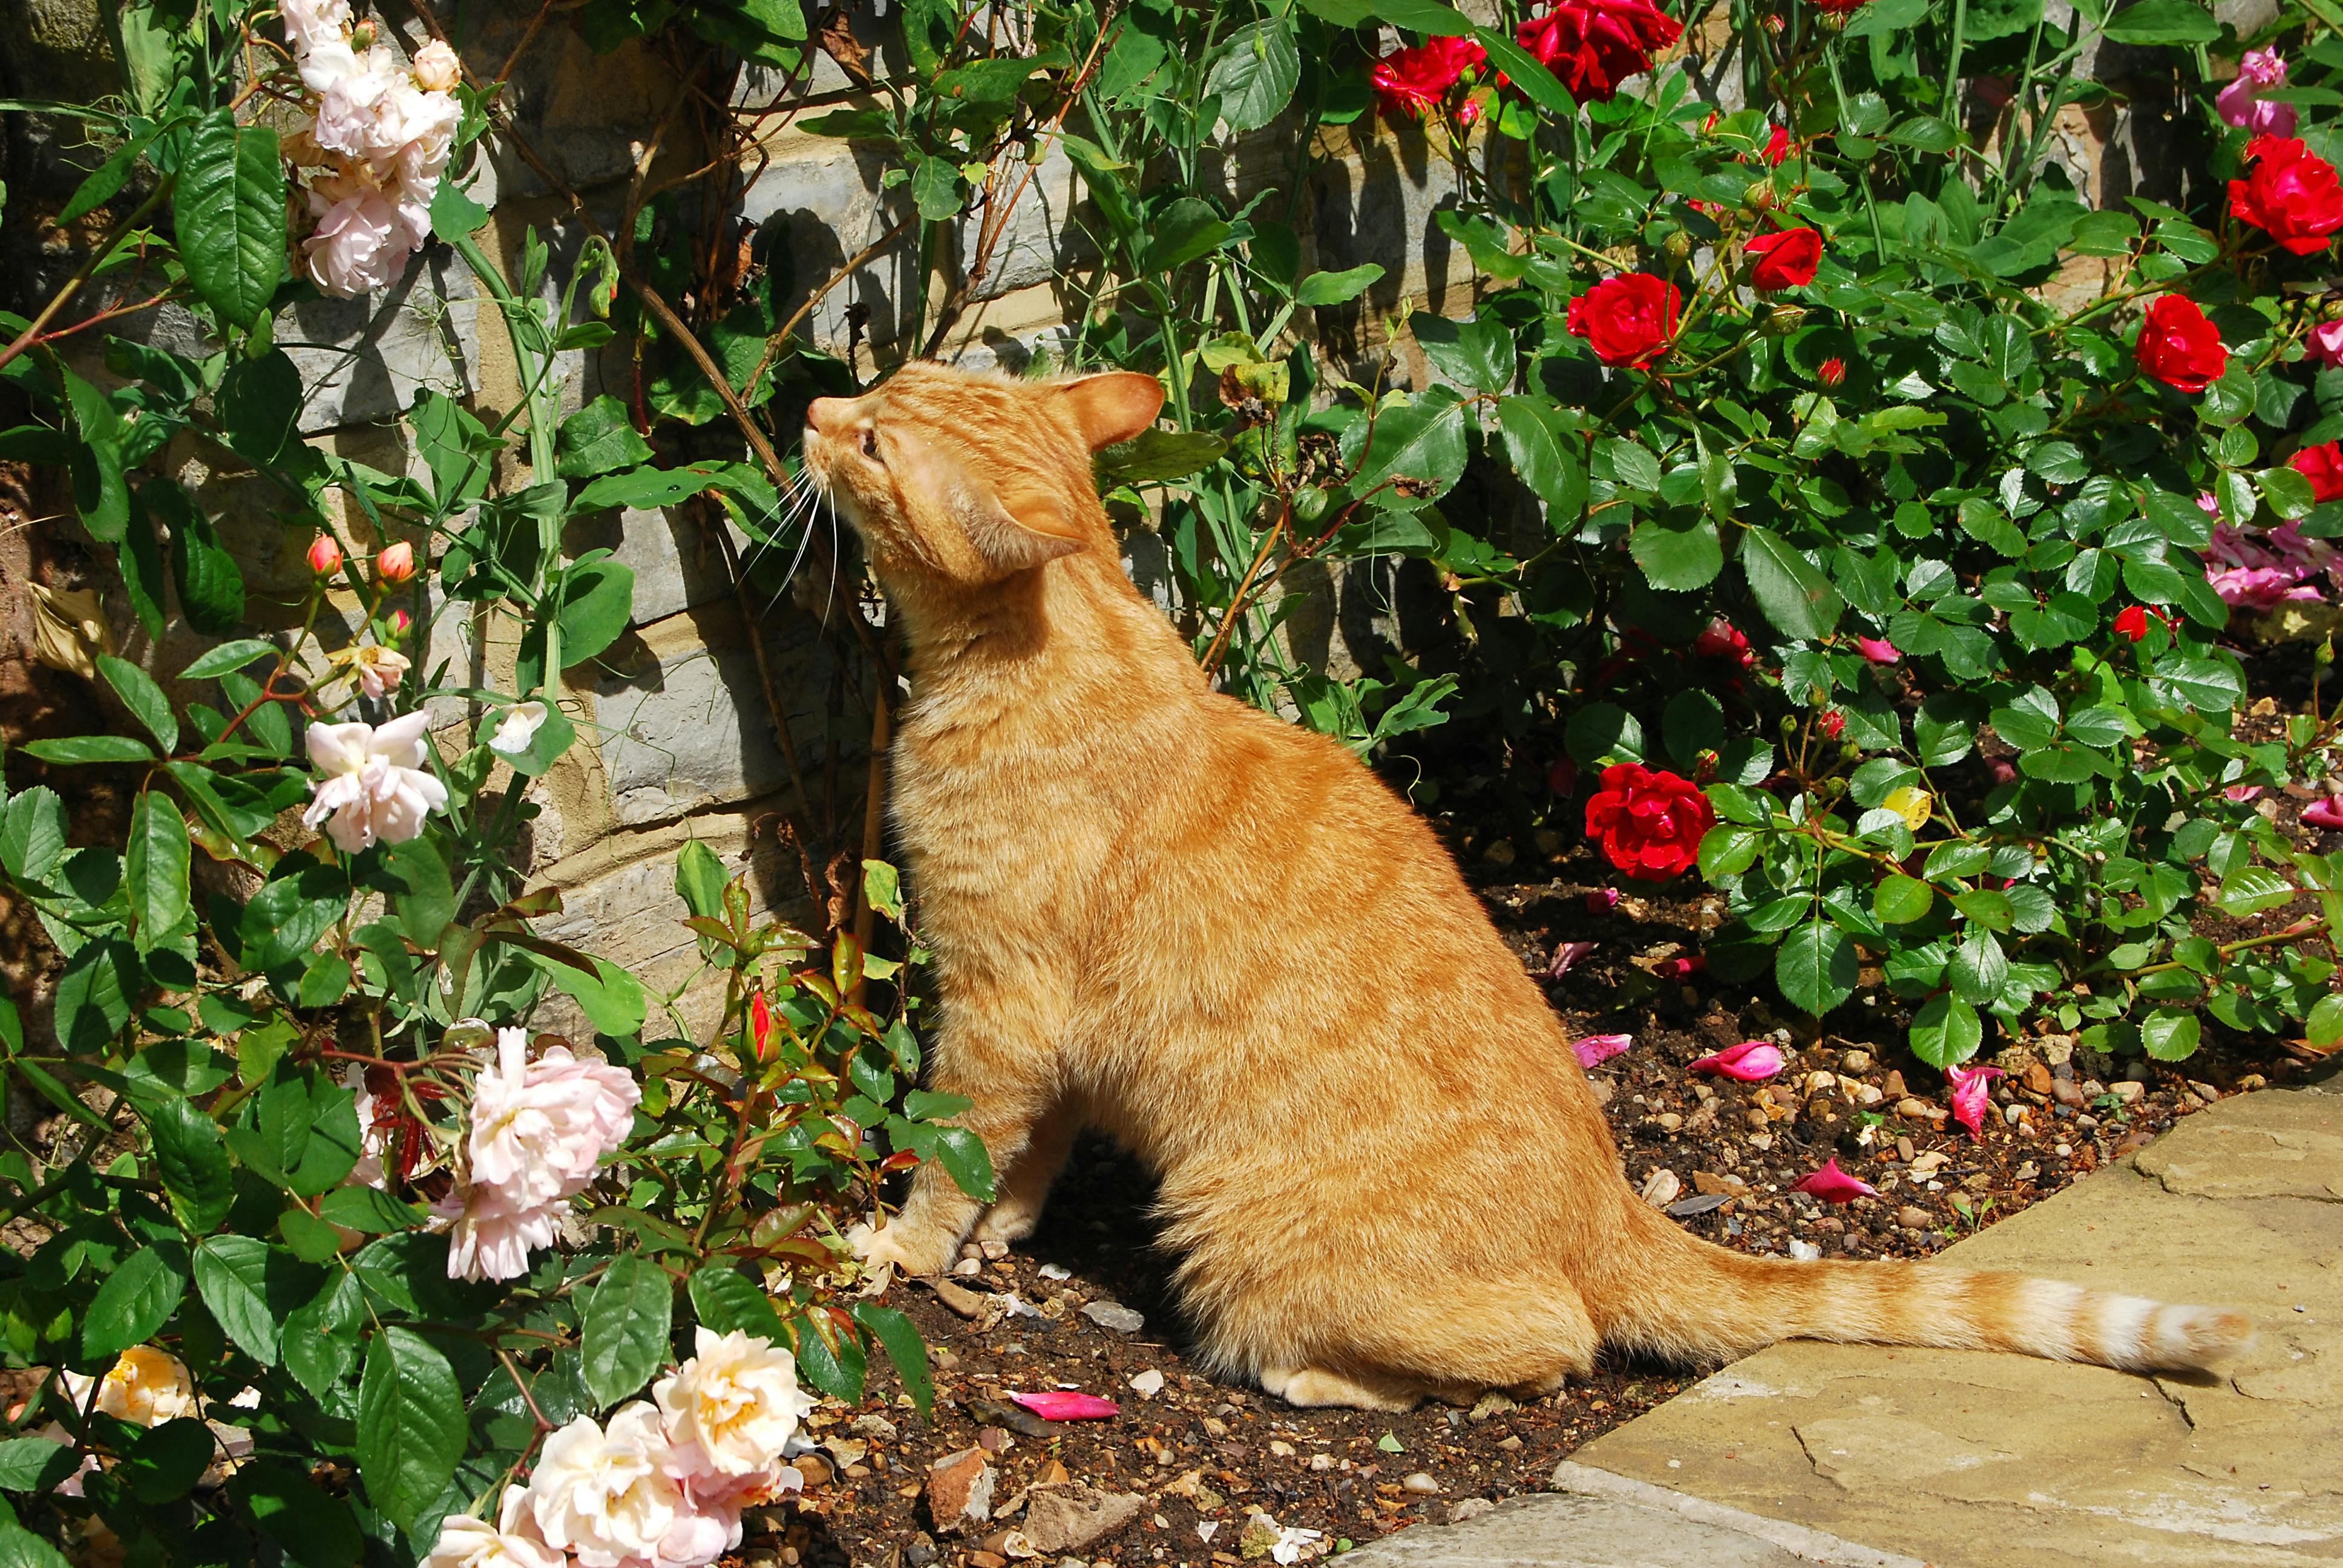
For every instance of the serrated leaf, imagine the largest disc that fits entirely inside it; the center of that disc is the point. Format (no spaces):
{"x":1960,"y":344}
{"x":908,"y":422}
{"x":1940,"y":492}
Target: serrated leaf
{"x":132,"y":1303}
{"x":411,"y":1426}
{"x":2169,"y":1035}
{"x":1946,"y":1030}
{"x":626,"y":1327}
{"x":142,"y":698}
{"x":1797,"y":599}
{"x":192,"y":1158}
{"x":1817,"y":968}
{"x":229,"y":211}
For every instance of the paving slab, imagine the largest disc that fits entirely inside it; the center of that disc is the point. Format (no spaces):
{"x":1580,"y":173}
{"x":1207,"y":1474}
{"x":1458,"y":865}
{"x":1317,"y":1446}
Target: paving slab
{"x":1603,"y":1520}
{"x":1968,"y":1460}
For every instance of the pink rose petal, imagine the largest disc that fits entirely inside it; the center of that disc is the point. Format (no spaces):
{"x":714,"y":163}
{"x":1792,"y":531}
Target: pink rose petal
{"x":1972,"y":1088}
{"x":2242,"y":792}
{"x":1601,"y":901}
{"x":1060,"y":1406}
{"x":1567,"y":957}
{"x":1833,"y":1185}
{"x":1878,"y":650}
{"x":1677,"y":969}
{"x":1597,"y":1048}
{"x":2327,"y":813}
{"x":1751,"y":1062}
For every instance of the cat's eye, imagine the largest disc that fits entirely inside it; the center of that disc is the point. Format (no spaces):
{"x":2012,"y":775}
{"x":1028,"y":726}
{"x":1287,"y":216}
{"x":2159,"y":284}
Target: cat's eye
{"x":870,"y":443}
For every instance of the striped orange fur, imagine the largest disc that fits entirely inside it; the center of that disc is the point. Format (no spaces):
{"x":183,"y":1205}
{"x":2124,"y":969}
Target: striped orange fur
{"x":1219,"y":939}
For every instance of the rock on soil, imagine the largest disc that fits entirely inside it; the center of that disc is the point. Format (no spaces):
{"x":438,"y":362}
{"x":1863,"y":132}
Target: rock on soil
{"x":960,"y":1492}
{"x":1068,"y":1516}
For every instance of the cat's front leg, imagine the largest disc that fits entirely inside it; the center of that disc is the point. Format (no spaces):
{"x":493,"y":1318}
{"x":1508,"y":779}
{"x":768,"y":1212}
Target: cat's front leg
{"x":1003,"y":1060}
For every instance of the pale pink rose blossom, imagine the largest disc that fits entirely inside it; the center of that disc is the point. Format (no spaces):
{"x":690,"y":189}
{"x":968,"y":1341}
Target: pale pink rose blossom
{"x":1751,"y":1062}
{"x":489,"y":1237}
{"x":2240,"y":104}
{"x":374,"y":787}
{"x":540,"y":1127}
{"x":437,"y":69}
{"x":379,"y":669}
{"x":1593,"y":1050}
{"x":359,"y":244}
{"x":145,"y":1387}
{"x":1971,"y":1088}
{"x":512,"y":1542}
{"x":351,"y":109}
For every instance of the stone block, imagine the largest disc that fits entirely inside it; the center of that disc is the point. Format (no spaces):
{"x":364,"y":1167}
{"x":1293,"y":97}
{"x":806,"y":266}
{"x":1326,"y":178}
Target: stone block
{"x":825,"y":198}
{"x":366,"y":359}
{"x":684,"y":721}
{"x":619,"y":903}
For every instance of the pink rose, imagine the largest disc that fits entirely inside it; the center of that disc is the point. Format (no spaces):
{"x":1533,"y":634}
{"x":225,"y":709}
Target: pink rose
{"x":1751,"y":1062}
{"x":1971,"y":1088}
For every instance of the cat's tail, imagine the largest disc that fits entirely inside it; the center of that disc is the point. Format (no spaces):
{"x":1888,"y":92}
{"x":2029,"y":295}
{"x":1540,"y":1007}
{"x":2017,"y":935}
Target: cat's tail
{"x":1720,"y":1303}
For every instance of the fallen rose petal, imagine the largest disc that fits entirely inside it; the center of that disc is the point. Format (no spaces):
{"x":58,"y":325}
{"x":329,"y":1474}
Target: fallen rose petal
{"x":2243,"y":792}
{"x":1971,"y":1087}
{"x":1751,"y":1062}
{"x":1833,"y":1185}
{"x":1061,"y":1406}
{"x":1567,"y":957}
{"x":2327,"y":813}
{"x":1601,"y":901}
{"x":1597,"y":1048}
{"x":1677,"y":969}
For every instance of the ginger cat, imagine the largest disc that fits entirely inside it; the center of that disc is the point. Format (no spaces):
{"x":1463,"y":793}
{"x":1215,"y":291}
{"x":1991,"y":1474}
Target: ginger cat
{"x":1219,"y":939}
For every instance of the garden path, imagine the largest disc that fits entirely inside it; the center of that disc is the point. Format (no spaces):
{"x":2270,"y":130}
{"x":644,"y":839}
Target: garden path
{"x":1965,"y":1459}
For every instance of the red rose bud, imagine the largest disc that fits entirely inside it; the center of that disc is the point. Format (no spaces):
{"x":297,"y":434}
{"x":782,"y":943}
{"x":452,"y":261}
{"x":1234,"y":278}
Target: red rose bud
{"x":2323,"y":467}
{"x":1629,"y":319}
{"x":1722,"y":639}
{"x":400,"y":622}
{"x":325,"y":554}
{"x":2132,"y":623}
{"x":1778,"y":147}
{"x":397,"y":564}
{"x":2178,"y":347}
{"x":760,"y":1025}
{"x":1562,"y":777}
{"x":2290,"y":194}
{"x":1831,"y":371}
{"x":1784,"y":260}
{"x":1833,"y":724}
{"x":1593,"y":46}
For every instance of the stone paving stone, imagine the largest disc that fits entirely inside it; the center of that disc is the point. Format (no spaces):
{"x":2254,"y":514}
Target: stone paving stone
{"x":1976,"y":1461}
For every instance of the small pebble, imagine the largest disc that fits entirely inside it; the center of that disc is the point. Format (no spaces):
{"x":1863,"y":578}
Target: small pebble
{"x":1422,"y":1484}
{"x":1148,"y":1384}
{"x":1913,"y":1219}
{"x":1112,"y":1315}
{"x":1855,"y":1063}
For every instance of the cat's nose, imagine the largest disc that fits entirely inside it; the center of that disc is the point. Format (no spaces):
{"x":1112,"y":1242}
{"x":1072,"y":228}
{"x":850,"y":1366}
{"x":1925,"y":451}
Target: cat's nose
{"x":824,"y":414}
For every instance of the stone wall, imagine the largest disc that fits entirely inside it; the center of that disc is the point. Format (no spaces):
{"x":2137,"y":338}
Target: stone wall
{"x":677,"y":739}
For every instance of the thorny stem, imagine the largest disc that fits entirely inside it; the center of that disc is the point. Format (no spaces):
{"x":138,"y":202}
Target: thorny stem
{"x":81,"y":274}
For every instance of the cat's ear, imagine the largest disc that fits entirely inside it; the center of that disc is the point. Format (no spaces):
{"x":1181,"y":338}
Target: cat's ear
{"x":1020,"y":529}
{"x":1013,"y":531}
{"x":1112,"y":407}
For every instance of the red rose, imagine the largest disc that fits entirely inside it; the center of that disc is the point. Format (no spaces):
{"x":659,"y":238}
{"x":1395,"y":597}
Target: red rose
{"x":2178,"y":347}
{"x":1831,"y":371}
{"x":1779,"y":145}
{"x":1722,"y":639}
{"x":2323,"y":467}
{"x":1593,"y":46}
{"x":1784,"y":260}
{"x":1630,"y":319}
{"x":1409,"y":81}
{"x":2132,"y":623}
{"x":1833,"y":724}
{"x":1650,"y":824}
{"x":2292,"y":194}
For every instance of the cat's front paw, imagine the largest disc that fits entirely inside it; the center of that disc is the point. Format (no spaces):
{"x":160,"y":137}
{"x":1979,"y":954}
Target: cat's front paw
{"x":886,"y":1247}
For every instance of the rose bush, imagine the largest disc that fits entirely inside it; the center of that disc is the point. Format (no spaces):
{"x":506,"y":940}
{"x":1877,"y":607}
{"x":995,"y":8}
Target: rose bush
{"x":1785,"y":515}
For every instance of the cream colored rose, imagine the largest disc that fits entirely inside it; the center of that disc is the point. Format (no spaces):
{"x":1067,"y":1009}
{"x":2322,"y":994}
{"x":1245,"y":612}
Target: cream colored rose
{"x":145,"y":1387}
{"x":436,"y":67}
{"x":733,"y":1406}
{"x":512,"y":1542}
{"x":607,"y":1494}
